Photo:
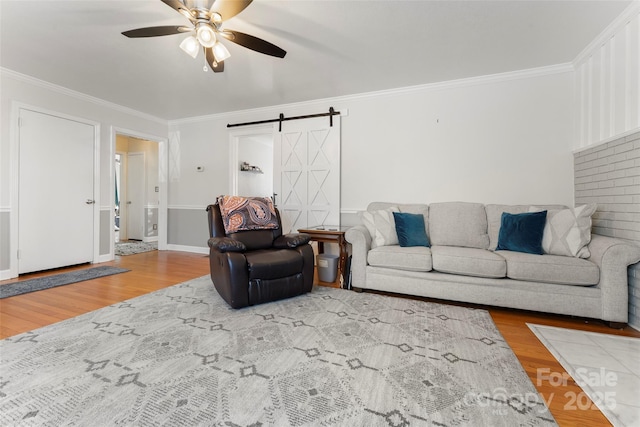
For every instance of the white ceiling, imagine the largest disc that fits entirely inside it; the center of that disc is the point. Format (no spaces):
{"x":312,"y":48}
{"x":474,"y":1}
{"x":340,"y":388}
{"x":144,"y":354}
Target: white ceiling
{"x":334,"y":48}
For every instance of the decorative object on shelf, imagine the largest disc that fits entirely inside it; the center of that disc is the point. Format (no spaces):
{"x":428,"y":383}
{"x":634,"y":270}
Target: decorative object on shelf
{"x":206,"y":19}
{"x":246,"y":167}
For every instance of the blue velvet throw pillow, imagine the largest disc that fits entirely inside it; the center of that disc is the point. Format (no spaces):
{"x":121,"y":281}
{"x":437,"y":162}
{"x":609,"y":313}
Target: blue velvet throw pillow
{"x":410,"y":229}
{"x":522,"y":232}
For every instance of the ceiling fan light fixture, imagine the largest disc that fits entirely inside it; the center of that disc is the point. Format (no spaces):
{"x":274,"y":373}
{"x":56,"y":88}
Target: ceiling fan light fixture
{"x":220,"y":52}
{"x":191,"y":46}
{"x":205,"y":30}
{"x":206,"y":35}
{"x":216,"y":18}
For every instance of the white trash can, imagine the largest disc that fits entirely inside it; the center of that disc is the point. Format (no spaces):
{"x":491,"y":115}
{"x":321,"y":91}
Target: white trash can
{"x":327,"y":265}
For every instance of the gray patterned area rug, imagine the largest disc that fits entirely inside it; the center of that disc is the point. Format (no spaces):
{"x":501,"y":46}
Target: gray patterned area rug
{"x":181,"y":357}
{"x":132,"y":248}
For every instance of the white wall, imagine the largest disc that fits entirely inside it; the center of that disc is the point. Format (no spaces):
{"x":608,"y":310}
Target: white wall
{"x":607,"y":112}
{"x":608,"y":82}
{"x":497,"y":139}
{"x":24,"y":90}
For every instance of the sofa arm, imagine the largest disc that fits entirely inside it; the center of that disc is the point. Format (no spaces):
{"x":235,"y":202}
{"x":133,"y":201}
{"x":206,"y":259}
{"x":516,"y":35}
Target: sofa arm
{"x":360,"y":240}
{"x":226,"y":244}
{"x":291,"y":240}
{"x":613,"y":257}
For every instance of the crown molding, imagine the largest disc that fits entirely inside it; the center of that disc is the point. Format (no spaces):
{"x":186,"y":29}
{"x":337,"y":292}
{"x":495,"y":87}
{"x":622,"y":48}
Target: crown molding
{"x":79,"y":95}
{"x":632,"y":11}
{"x":428,"y":87}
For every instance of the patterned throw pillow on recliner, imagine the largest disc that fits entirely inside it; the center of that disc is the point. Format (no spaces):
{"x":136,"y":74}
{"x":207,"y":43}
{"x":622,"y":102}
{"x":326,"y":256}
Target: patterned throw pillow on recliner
{"x":567,"y":232}
{"x":247,"y":213}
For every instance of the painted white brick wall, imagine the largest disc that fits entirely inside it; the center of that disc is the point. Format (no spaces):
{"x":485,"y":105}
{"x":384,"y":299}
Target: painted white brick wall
{"x":609,"y":175}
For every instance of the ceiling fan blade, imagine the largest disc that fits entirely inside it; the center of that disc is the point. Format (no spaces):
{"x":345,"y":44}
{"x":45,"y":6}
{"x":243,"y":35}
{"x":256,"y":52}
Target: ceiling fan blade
{"x":165,"y":30}
{"x":253,"y":43}
{"x":229,"y":8}
{"x":180,"y":7}
{"x":217,"y":67}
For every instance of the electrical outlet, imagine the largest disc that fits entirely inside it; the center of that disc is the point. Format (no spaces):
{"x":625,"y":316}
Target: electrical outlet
{"x":157,"y":189}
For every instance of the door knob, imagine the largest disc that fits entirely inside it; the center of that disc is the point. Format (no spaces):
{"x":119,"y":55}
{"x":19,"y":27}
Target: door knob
{"x":90,"y":202}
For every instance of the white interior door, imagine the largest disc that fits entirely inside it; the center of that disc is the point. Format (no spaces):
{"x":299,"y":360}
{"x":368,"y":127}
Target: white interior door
{"x":56,"y":192}
{"x":307,"y":172}
{"x":135,"y":195}
{"x":121,"y":181}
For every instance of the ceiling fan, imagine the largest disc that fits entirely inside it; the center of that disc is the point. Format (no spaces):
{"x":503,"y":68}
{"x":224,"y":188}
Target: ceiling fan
{"x":206,"y":18}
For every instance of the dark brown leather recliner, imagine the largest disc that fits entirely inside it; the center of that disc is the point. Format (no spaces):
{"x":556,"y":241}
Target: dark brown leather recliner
{"x":258,"y":266}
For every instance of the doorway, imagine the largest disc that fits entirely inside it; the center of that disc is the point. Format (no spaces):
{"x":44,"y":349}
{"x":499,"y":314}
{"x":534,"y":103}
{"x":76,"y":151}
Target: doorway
{"x":136,"y":191}
{"x":251,"y":162}
{"x":303,"y":161}
{"x":256,"y":165}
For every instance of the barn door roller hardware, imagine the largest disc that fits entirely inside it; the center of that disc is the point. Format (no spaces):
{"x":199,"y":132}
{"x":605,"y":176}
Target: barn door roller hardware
{"x":281,"y":118}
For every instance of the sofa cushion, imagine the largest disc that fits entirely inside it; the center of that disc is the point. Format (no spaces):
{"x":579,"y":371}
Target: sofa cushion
{"x":413,"y":258}
{"x":468,"y":261}
{"x":381,"y":226}
{"x":458,"y":224}
{"x":568,"y":231}
{"x":522,"y":232}
{"x":410,"y":229}
{"x":494,"y":217}
{"x":273,"y":264}
{"x":550,"y":268}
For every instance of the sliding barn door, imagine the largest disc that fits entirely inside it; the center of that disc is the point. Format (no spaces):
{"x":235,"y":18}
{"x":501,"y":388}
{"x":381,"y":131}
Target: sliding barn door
{"x":307,"y":172}
{"x":56,"y":192}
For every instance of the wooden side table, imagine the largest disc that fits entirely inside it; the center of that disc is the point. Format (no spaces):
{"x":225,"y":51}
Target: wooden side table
{"x":331,"y":234}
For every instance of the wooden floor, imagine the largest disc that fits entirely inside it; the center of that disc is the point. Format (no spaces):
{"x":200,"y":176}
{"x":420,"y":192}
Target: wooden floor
{"x":151,"y":271}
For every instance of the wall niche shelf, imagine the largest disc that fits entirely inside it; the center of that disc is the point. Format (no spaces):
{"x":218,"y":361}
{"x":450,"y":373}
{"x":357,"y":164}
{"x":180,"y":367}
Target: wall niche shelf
{"x":246,"y":167}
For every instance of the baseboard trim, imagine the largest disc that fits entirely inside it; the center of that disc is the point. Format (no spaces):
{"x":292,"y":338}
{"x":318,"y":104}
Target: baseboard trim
{"x":104,"y":258}
{"x":6,"y":275}
{"x":184,"y":248}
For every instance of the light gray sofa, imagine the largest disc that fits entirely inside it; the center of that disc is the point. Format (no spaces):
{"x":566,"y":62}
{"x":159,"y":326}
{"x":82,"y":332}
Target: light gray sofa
{"x":463,"y":265}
